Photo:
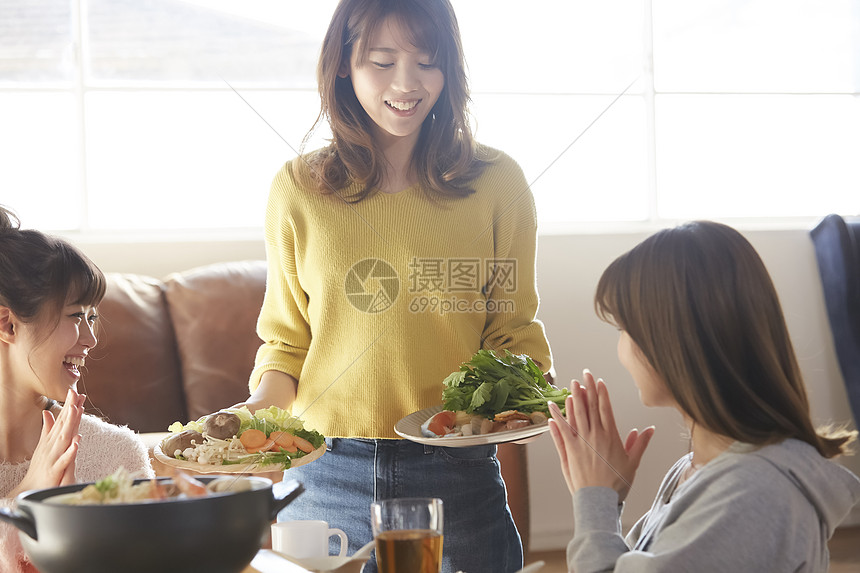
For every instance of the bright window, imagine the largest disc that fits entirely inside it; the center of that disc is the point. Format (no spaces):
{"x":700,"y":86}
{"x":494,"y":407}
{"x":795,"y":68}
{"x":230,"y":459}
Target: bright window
{"x":138,"y":116}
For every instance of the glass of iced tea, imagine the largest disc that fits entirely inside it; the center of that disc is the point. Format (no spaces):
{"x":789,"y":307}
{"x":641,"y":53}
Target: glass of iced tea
{"x":408,"y":534}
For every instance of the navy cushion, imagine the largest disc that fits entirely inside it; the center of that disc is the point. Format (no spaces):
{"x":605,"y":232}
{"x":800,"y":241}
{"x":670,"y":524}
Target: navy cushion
{"x":837,"y":248}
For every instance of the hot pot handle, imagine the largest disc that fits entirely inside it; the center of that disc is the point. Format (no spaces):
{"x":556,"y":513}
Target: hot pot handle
{"x":287,"y":492}
{"x":19,"y":519}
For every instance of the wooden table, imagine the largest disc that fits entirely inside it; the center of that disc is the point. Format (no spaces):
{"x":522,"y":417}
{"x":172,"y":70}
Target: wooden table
{"x":267,"y":561}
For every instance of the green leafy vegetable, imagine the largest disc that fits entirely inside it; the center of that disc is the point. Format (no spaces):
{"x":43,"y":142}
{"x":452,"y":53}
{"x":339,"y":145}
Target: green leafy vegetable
{"x":489,"y":384}
{"x":108,"y":486}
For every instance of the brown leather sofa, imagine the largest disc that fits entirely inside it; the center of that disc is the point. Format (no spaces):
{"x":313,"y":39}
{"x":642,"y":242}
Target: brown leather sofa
{"x":175,"y":349}
{"x":182,"y":347}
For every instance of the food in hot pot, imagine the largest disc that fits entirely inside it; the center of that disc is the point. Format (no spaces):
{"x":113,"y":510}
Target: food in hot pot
{"x":217,"y":533}
{"x":236,"y":436}
{"x":120,"y":487}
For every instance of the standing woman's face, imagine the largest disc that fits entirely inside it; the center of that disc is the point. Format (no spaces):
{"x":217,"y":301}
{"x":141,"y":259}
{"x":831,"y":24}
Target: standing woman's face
{"x":652,"y":388}
{"x":53,"y":362}
{"x":397,"y":85}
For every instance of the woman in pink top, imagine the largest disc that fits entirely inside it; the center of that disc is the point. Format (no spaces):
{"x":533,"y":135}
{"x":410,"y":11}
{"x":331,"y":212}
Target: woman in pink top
{"x":48,"y":296}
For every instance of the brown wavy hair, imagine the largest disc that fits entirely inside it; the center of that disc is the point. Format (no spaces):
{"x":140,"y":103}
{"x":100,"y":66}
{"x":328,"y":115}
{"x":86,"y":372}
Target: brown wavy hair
{"x":39,"y":274}
{"x":700,"y":304}
{"x":444,"y":158}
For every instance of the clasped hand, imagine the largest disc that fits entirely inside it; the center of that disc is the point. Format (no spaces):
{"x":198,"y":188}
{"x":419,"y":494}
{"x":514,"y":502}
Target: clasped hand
{"x":53,"y":462}
{"x":589,"y":446}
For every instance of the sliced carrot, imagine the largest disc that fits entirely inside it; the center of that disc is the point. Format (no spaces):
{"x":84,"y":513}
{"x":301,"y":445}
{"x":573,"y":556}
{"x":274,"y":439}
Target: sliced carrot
{"x":282,"y":439}
{"x":267,"y":445}
{"x":253,"y":438}
{"x":303,"y":444}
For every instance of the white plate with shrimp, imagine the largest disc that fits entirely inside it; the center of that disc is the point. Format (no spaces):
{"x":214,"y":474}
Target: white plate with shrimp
{"x":409,"y":427}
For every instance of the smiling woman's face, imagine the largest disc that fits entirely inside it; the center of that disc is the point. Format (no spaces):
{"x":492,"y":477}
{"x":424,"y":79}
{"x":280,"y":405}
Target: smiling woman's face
{"x":53,"y":361}
{"x":397,"y":85}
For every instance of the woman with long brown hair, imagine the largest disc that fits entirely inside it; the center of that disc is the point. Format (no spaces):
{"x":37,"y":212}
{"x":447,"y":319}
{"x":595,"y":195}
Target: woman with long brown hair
{"x":702,"y":331}
{"x":396,"y":253}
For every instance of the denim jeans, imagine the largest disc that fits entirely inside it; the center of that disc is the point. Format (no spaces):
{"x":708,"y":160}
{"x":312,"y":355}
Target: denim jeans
{"x":479,"y":532}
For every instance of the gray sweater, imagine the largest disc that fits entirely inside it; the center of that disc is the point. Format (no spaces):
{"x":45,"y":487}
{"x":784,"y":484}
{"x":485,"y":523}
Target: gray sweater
{"x":749,"y":509}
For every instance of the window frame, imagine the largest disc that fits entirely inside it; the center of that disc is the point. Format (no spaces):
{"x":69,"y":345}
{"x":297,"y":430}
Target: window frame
{"x":80,"y":87}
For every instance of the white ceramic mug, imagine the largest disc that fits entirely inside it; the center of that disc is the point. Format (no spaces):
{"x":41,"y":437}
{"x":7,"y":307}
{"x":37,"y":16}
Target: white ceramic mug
{"x":303,"y":539}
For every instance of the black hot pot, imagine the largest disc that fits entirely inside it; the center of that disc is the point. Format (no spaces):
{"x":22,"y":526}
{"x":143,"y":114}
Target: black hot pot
{"x":219,"y":533}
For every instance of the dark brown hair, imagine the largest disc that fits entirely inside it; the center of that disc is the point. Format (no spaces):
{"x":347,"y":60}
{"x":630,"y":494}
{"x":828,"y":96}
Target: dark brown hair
{"x":701,"y":306}
{"x":444,"y":158}
{"x":41,"y":274}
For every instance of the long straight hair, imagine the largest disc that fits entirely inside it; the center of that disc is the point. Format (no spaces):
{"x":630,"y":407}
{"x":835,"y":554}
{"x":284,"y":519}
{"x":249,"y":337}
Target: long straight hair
{"x":444,"y":158}
{"x":701,"y":306}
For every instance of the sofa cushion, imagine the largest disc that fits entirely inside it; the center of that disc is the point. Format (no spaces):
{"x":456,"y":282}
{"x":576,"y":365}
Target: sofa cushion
{"x":132,"y":376}
{"x":214,"y":313}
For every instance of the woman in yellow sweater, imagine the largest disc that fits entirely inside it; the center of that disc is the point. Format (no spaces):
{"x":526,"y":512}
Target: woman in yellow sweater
{"x":394,"y":255}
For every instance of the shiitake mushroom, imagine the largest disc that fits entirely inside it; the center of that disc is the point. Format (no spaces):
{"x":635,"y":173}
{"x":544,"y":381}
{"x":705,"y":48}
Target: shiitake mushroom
{"x":221,"y":425}
{"x":181,"y":441}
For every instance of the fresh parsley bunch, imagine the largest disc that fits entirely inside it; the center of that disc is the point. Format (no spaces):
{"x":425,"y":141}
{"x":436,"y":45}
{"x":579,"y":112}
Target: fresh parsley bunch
{"x":489,"y":384}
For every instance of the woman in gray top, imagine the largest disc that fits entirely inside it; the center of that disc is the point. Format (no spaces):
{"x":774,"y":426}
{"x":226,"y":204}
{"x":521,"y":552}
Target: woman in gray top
{"x":702,"y":331}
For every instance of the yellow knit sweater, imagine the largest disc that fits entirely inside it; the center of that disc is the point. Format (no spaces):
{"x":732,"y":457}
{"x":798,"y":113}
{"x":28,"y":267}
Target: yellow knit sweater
{"x":370,"y":305}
